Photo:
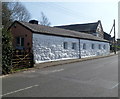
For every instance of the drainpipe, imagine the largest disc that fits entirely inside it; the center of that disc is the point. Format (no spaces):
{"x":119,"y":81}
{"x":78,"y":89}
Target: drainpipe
{"x":79,"y":50}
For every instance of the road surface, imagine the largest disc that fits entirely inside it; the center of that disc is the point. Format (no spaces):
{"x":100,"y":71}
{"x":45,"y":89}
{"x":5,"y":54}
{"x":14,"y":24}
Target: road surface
{"x":92,"y":78}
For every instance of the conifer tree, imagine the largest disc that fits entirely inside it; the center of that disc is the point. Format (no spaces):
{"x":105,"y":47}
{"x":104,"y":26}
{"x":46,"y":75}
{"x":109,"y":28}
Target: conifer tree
{"x":6,"y":51}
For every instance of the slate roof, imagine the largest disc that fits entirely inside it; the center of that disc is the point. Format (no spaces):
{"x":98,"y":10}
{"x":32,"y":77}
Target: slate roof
{"x":87,"y":28}
{"x":37,"y":28}
{"x":107,"y":36}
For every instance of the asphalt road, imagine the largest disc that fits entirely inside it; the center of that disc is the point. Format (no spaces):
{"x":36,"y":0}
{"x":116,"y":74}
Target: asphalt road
{"x":92,"y":78}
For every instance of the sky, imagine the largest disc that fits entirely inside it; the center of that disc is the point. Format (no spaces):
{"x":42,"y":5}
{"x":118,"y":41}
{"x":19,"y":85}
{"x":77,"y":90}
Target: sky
{"x":76,"y":12}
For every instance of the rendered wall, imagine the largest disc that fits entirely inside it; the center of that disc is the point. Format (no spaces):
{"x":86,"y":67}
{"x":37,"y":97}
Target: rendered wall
{"x":47,"y":48}
{"x":88,"y":52}
{"x":50,"y":48}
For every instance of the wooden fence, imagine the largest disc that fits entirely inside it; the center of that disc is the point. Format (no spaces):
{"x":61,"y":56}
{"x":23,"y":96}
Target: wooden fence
{"x":22,"y":59}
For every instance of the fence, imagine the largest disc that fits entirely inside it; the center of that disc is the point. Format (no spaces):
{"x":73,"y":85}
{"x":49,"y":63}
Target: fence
{"x":22,"y":59}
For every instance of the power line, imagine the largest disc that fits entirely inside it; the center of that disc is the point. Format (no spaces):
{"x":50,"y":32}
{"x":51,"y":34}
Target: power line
{"x":56,"y":8}
{"x":66,"y":11}
{"x":63,"y":10}
{"x":73,"y":12}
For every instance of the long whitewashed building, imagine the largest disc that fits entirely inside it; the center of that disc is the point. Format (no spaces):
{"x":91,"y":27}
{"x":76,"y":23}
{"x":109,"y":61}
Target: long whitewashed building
{"x":52,"y":43}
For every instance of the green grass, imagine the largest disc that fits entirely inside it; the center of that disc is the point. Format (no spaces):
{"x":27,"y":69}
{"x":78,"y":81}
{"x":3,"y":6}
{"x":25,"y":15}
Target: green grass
{"x":19,"y":69}
{"x":116,"y":46}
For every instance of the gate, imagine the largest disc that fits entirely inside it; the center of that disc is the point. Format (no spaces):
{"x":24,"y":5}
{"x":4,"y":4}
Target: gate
{"x":22,"y":59}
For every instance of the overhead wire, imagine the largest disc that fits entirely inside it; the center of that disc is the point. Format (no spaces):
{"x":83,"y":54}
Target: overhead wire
{"x":66,"y":11}
{"x":73,"y":12}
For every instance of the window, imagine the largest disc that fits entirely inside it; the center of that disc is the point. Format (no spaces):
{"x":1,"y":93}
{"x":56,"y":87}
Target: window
{"x":99,"y":46}
{"x":93,"y":46}
{"x":104,"y":46}
{"x":74,"y":46}
{"x":84,"y":46}
{"x":65,"y":45}
{"x":20,"y":41}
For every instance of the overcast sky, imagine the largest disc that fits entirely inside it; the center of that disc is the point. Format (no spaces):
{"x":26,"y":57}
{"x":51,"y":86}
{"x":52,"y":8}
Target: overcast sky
{"x":62,"y":13}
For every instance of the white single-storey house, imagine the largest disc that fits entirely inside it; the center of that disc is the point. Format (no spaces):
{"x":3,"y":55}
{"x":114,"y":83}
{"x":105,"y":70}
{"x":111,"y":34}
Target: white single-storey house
{"x":52,"y":43}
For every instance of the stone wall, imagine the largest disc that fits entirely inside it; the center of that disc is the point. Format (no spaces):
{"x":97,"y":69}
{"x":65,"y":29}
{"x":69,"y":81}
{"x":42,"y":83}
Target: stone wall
{"x":47,"y":48}
{"x":88,"y":52}
{"x":51,"y":48}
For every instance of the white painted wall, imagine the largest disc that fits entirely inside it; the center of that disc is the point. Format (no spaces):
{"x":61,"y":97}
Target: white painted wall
{"x":47,"y":48}
{"x":88,"y":52}
{"x":50,"y":48}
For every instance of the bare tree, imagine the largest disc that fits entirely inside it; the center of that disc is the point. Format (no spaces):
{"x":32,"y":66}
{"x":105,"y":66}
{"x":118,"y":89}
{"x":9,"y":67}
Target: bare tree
{"x":19,"y":12}
{"x":6,"y":14}
{"x":12,"y":11}
{"x":44,"y":20}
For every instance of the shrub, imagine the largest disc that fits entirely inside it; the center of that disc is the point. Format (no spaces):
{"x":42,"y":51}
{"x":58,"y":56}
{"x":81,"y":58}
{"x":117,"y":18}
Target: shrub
{"x":6,"y":51}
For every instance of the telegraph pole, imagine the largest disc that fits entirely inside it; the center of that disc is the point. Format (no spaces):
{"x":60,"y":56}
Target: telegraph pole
{"x":114,"y":38}
{"x":114,"y":42}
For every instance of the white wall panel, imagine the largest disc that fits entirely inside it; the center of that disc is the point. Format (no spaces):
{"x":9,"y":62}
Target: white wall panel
{"x":47,"y":48}
{"x":88,"y":52}
{"x":50,"y":48}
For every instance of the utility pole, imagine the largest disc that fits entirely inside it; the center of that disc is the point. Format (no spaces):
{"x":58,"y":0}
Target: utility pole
{"x":114,"y":41}
{"x":114,"y":38}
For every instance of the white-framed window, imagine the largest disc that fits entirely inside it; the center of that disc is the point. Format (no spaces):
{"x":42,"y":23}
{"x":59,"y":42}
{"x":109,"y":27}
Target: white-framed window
{"x":104,"y":46}
{"x":99,"y":46}
{"x":84,"y":46}
{"x":74,"y":46}
{"x":93,"y":46}
{"x":20,"y":41}
{"x":65,"y":45}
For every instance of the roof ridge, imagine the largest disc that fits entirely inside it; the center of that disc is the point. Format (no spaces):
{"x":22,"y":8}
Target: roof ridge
{"x":80,"y":24}
{"x":58,"y":31}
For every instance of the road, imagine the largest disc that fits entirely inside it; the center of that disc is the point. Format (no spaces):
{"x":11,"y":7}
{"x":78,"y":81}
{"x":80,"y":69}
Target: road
{"x":92,"y":78}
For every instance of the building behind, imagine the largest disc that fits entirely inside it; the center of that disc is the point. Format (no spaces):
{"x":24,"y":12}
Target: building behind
{"x":94,"y":28}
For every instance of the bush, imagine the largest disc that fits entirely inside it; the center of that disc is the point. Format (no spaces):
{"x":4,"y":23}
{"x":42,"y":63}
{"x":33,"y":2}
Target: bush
{"x":6,"y":51}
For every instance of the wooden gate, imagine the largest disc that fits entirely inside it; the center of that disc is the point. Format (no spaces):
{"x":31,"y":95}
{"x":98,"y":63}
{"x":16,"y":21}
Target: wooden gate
{"x":22,"y":59}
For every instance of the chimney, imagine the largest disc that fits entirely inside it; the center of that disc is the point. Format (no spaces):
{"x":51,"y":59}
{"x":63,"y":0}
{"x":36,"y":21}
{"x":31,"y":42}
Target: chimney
{"x":33,"y":21}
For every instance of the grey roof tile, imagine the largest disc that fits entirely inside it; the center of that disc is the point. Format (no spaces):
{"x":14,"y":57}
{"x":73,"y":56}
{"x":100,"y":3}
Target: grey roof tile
{"x":87,"y":27}
{"x":58,"y":31}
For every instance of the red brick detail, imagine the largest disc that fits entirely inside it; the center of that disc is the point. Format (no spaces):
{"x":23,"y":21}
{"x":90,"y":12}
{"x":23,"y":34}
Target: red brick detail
{"x":18,"y":30}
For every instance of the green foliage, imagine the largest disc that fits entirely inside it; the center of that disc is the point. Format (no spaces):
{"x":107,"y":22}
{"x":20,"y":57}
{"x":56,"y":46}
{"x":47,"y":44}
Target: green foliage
{"x":6,"y":15}
{"x":6,"y":51}
{"x":10,"y":11}
{"x":116,"y":46}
